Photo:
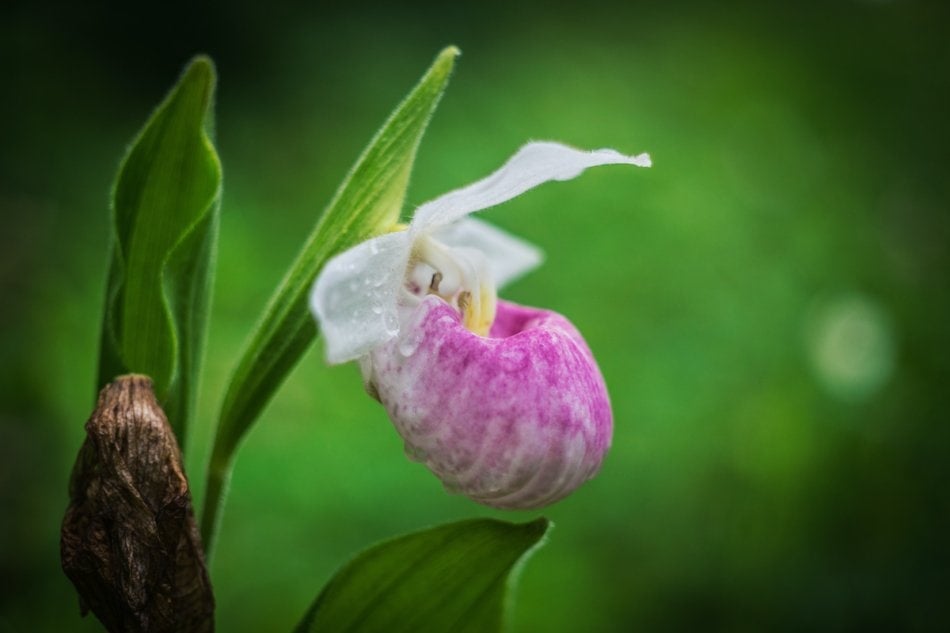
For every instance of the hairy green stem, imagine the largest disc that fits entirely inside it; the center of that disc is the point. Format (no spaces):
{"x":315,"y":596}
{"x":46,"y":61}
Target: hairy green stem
{"x":219,"y":474}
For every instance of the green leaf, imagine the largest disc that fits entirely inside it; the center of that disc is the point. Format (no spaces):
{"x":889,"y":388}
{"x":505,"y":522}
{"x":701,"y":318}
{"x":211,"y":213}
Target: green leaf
{"x":366,"y":204}
{"x":454,"y":578}
{"x":165,"y":224}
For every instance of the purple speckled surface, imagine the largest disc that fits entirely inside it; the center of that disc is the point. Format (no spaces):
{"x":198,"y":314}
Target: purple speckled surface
{"x":516,"y":420}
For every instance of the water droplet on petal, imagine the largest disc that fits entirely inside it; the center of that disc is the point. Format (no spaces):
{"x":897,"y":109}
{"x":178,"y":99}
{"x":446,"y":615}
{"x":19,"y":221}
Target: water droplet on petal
{"x":410,"y":342}
{"x":391,"y":323}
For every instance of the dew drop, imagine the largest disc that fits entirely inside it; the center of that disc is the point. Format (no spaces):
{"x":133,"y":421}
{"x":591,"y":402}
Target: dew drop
{"x":410,"y":342}
{"x":391,"y":323}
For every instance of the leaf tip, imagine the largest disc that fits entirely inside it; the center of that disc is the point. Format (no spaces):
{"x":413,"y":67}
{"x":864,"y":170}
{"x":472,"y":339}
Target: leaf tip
{"x":200,"y":70}
{"x":540,"y":526}
{"x":451,"y":51}
{"x":445,"y":60}
{"x":536,"y":532}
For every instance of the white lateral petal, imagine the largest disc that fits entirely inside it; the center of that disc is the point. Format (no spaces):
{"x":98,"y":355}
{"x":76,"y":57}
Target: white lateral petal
{"x":354,"y":296}
{"x":507,"y":256}
{"x":532,"y":165}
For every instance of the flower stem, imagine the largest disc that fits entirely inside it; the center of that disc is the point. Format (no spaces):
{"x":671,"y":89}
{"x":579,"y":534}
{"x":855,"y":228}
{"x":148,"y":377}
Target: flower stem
{"x":219,"y":474}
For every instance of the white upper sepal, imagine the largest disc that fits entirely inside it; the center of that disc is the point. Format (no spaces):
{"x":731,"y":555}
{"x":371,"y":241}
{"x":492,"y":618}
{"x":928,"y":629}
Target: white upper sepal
{"x":532,"y":165}
{"x":507,"y":256}
{"x":355,"y":296}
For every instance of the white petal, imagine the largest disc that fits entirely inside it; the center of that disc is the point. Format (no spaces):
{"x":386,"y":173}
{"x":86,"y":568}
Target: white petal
{"x":533,"y":164}
{"x":354,"y":296}
{"x":508,"y":257}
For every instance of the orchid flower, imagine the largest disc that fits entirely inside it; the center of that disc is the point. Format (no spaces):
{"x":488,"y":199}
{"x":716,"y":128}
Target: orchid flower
{"x":504,"y":403}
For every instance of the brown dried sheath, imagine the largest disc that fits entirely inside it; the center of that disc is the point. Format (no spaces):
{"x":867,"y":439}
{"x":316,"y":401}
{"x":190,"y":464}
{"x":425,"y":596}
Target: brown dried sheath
{"x":129,"y":543}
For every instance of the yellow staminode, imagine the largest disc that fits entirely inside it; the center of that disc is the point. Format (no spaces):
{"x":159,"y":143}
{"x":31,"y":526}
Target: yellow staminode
{"x":460,"y":280}
{"x":478,"y":312}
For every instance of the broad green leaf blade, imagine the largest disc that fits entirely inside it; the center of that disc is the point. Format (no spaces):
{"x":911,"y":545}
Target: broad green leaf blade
{"x":165,"y":220}
{"x":366,"y":204}
{"x":454,"y":578}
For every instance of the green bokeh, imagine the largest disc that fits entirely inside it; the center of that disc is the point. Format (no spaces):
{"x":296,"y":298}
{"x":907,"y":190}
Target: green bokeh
{"x":769,"y":303}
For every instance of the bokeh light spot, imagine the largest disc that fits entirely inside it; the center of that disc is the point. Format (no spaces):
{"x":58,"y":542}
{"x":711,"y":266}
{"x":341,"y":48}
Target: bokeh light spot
{"x":851,"y":346}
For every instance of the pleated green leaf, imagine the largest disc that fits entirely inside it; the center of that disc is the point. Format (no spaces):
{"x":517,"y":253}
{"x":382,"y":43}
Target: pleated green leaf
{"x":366,"y":204}
{"x":165,"y":223}
{"x":453,"y":578}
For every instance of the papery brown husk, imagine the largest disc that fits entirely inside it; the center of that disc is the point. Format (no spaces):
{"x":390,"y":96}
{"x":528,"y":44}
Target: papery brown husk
{"x":129,"y":543}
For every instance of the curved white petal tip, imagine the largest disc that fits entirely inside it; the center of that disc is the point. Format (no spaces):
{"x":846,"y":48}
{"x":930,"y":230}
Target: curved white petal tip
{"x":534,"y":164}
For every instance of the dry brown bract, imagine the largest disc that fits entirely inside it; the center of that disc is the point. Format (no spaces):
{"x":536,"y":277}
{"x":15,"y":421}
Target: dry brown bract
{"x":129,"y":540}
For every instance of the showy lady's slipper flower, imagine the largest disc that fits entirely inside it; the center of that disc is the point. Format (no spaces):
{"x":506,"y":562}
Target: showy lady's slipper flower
{"x":504,"y":403}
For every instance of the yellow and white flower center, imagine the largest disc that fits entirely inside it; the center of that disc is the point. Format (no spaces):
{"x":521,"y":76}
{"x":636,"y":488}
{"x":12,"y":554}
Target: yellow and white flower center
{"x":460,"y":276}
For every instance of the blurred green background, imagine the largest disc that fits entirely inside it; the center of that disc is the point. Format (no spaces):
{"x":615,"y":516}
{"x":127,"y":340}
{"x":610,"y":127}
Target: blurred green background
{"x":769,"y":303}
